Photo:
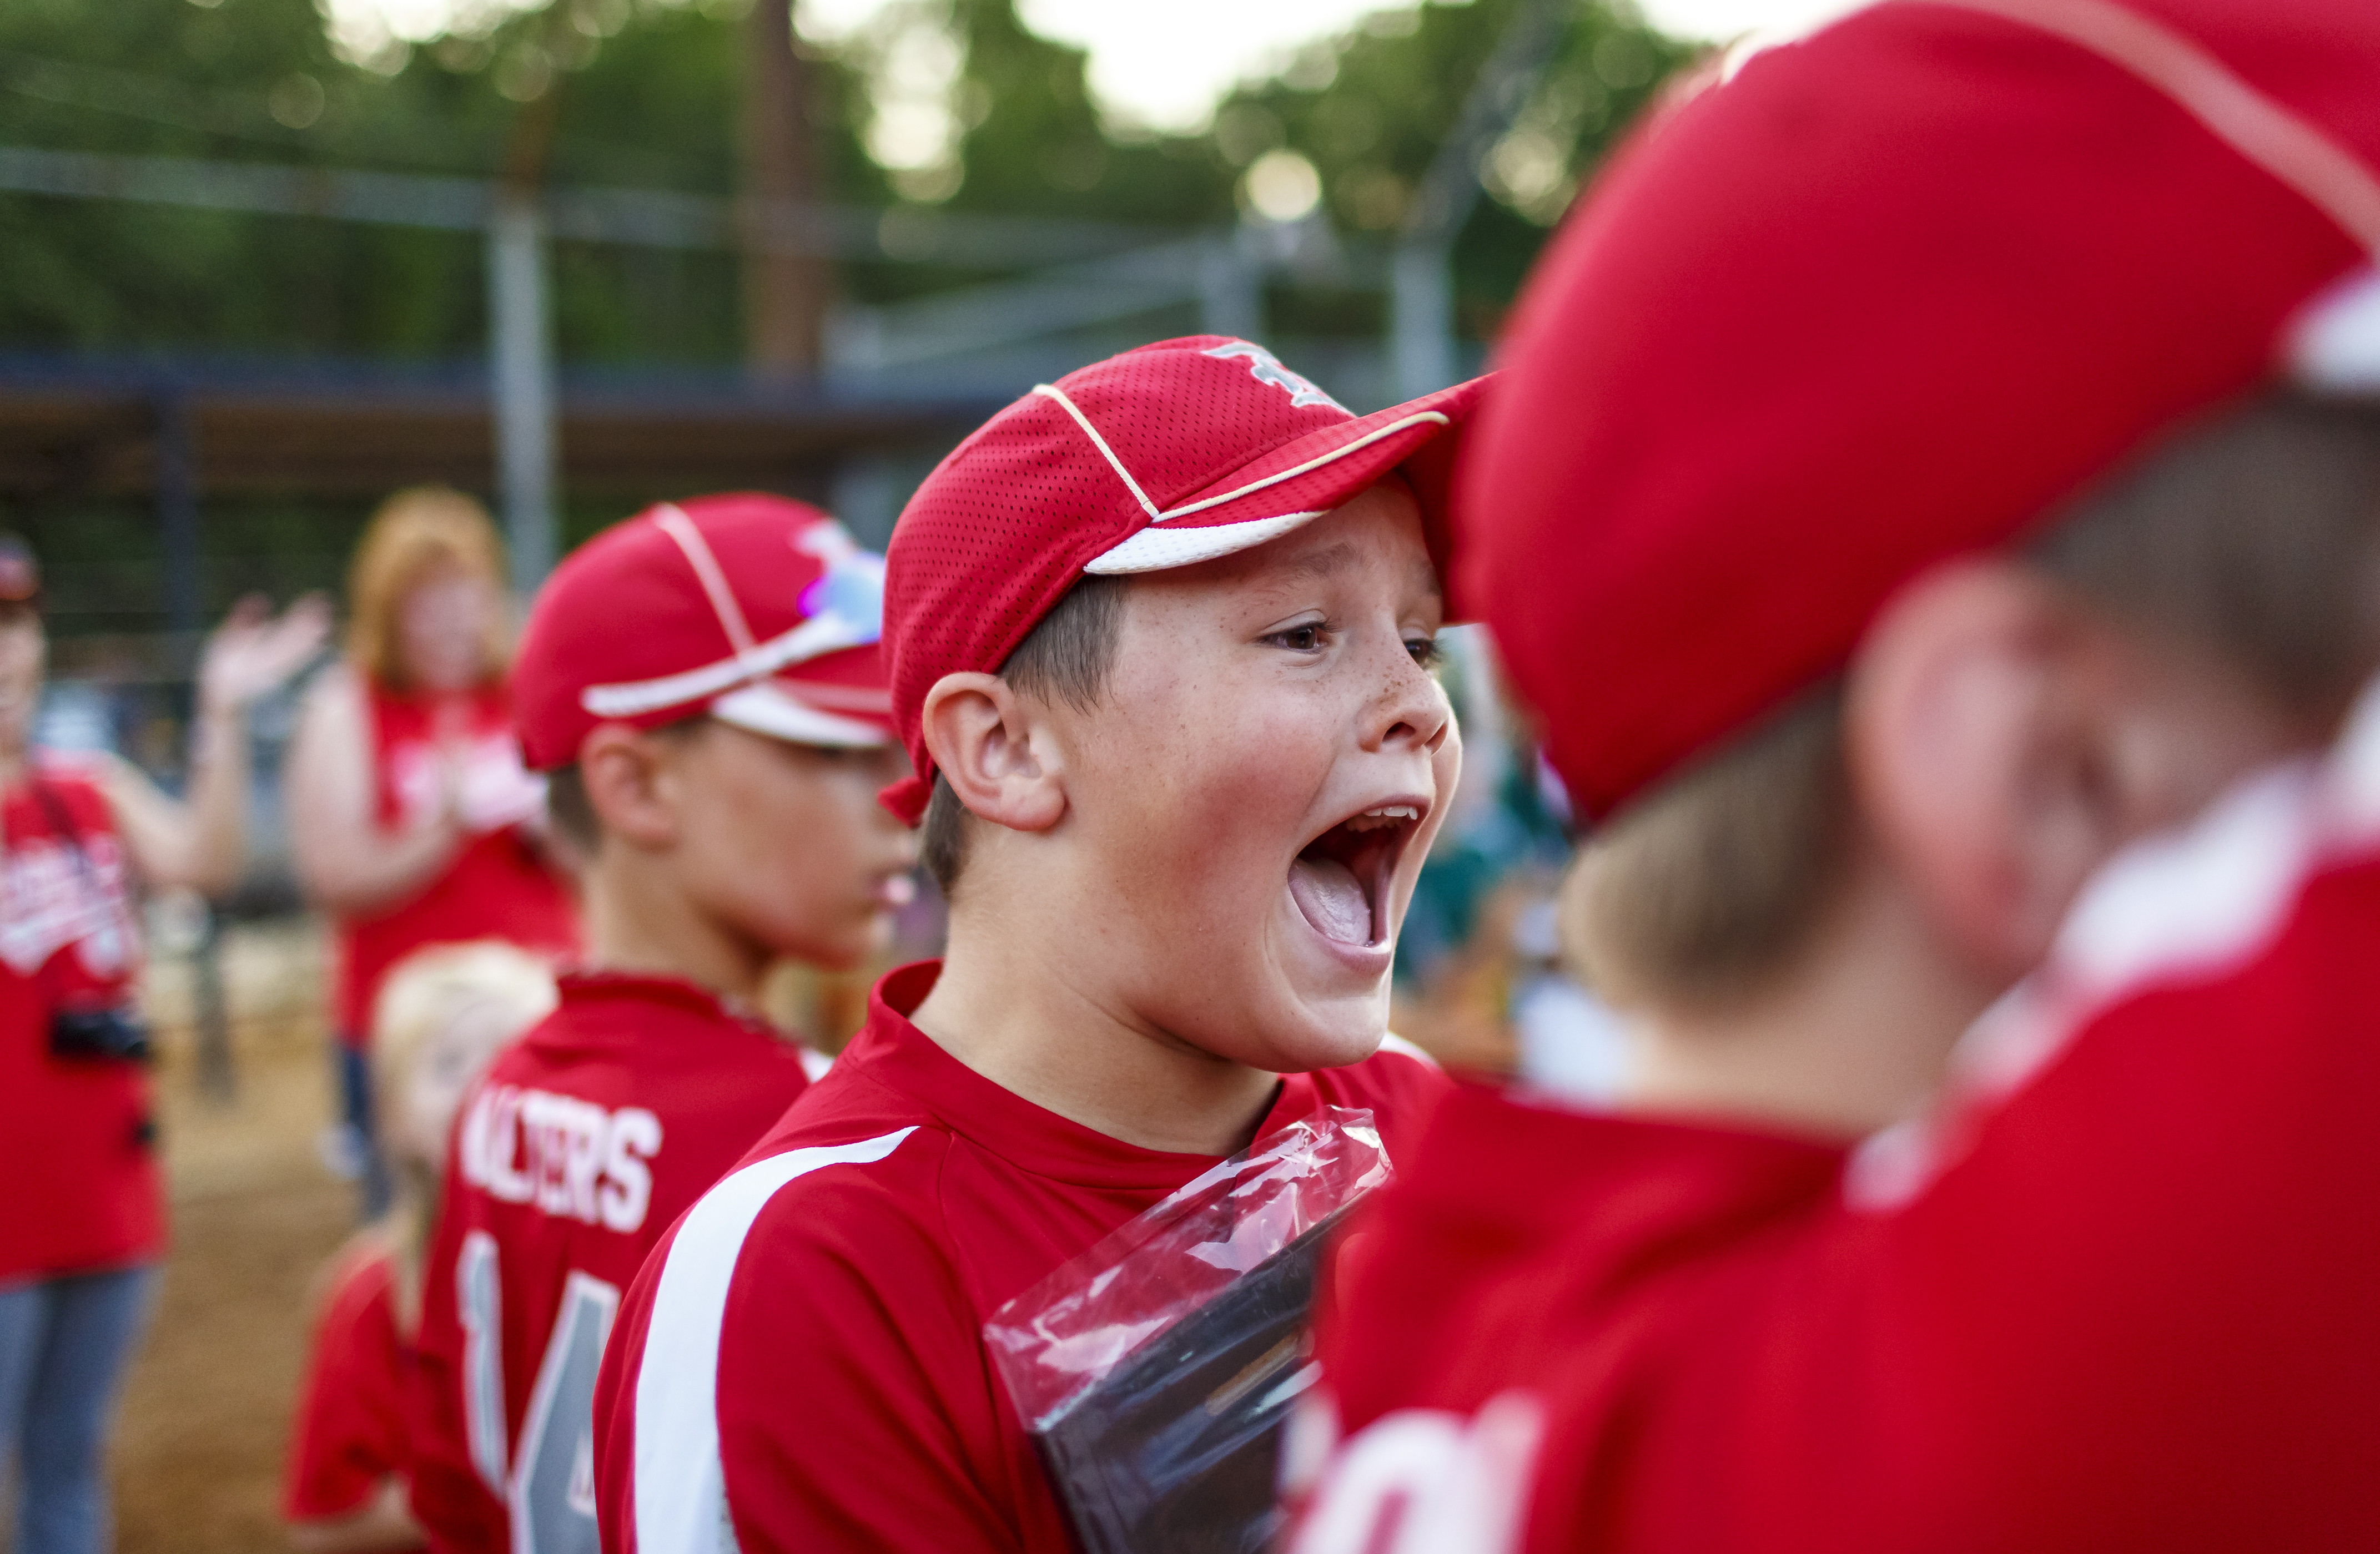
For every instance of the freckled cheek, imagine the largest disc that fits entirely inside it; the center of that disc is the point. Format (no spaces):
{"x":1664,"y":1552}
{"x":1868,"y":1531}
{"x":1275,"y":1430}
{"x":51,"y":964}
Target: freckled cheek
{"x":1209,"y":812}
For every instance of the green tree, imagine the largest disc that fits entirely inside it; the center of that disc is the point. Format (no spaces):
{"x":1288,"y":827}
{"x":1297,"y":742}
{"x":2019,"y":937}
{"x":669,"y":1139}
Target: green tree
{"x":1370,"y":107}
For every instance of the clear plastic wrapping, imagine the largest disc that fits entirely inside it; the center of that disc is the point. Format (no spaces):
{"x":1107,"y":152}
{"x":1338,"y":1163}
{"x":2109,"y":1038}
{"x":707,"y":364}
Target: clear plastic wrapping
{"x":1155,"y":1370}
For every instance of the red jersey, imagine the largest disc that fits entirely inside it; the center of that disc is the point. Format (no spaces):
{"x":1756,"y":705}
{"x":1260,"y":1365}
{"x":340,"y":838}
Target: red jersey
{"x":2116,"y":1293}
{"x":804,"y":1360}
{"x":572,"y":1153}
{"x":497,"y":885}
{"x":77,"y":1130}
{"x":349,"y":1433}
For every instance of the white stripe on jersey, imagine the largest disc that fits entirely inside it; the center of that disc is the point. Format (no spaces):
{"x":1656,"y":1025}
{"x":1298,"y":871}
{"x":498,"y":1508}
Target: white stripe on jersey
{"x":680,"y":1490}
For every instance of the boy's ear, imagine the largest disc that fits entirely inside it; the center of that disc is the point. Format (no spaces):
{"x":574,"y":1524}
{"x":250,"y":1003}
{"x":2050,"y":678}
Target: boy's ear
{"x":631,"y":785}
{"x":1976,"y":749}
{"x":996,"y":750}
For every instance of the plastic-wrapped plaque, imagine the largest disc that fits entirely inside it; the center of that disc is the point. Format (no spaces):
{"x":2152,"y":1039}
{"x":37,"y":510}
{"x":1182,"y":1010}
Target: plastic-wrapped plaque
{"x":1155,"y":1370}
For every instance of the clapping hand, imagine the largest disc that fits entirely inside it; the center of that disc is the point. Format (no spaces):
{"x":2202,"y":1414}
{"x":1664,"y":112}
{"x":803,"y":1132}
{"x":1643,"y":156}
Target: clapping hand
{"x":253,"y":653}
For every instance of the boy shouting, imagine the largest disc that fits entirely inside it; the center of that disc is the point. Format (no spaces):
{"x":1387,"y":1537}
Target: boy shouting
{"x":1987,"y":513}
{"x":1160,"y":636}
{"x":702,"y":686}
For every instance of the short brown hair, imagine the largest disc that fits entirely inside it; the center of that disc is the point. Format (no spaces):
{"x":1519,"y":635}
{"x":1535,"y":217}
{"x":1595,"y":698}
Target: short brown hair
{"x":1067,"y":656}
{"x":2255,"y":535}
{"x":412,"y":533}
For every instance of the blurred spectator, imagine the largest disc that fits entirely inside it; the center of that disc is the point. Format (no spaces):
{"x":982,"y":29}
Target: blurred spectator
{"x":80,"y":1233}
{"x":442,"y":1015}
{"x":411,"y":818}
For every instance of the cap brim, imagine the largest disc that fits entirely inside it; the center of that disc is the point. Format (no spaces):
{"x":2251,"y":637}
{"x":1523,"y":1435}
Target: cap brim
{"x":768,"y":708}
{"x":1289,"y":486}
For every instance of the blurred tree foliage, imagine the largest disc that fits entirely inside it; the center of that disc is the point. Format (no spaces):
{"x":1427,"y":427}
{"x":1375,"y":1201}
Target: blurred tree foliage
{"x":1370,"y":107}
{"x":643,"y":92}
{"x":631,"y":92}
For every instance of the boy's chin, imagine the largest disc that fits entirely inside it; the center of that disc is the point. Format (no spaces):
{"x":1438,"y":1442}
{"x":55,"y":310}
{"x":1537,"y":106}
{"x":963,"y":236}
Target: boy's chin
{"x":1331,"y":1036}
{"x":835,"y":951}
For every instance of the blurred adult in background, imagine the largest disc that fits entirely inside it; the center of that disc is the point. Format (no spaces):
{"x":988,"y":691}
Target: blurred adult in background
{"x":411,"y":818}
{"x":82,"y":1223}
{"x":441,"y":1015}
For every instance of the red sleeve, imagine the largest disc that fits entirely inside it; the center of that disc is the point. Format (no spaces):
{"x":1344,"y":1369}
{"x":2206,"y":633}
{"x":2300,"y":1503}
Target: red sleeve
{"x":452,"y":1499}
{"x":349,"y":1434}
{"x":831,"y":1384}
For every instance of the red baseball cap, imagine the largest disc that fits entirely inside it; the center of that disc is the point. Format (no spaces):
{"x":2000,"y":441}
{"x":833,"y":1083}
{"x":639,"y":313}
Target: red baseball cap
{"x":1175,"y":453}
{"x":1887,"y":296}
{"x":757,"y":611}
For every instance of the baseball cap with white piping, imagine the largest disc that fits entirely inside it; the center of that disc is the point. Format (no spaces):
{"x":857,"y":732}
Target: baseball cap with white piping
{"x":1171,"y":454}
{"x":1890,"y":294}
{"x":758,"y":611}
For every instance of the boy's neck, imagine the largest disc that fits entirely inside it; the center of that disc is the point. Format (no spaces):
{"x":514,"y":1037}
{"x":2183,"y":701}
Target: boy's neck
{"x":1010,"y":1007}
{"x":1854,"y":1036}
{"x":639,"y":921}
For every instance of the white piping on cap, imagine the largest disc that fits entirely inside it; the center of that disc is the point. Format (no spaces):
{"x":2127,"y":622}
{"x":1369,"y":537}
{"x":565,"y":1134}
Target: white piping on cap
{"x":671,"y":520}
{"x":2260,"y":127}
{"x":2334,"y":342}
{"x":1150,"y":550}
{"x":816,"y":636}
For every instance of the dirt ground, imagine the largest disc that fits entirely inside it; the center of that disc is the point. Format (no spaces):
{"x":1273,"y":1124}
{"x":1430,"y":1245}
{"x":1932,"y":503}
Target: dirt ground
{"x":254,"y":1213}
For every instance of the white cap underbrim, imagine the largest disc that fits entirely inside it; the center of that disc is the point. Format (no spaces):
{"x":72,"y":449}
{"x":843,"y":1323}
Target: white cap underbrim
{"x":764,"y":708}
{"x":2333,"y":346}
{"x":1155,"y":548}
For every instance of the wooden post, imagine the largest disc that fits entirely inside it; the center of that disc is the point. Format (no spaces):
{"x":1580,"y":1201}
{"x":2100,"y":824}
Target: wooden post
{"x":785,"y":294}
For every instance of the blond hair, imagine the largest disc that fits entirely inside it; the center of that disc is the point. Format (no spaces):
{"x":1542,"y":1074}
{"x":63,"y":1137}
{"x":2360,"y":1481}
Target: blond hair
{"x":415,"y":532}
{"x":2254,"y":536}
{"x":425,"y":993}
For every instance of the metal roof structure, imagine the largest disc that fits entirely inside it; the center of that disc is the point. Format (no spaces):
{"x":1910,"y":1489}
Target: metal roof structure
{"x":121,"y":426}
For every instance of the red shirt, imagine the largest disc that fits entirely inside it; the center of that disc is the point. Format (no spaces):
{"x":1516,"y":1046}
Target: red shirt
{"x":811,"y":1336}
{"x":75,"y":1130}
{"x":572,"y":1155}
{"x":349,"y":1433}
{"x":497,"y":886}
{"x":2117,"y":1293}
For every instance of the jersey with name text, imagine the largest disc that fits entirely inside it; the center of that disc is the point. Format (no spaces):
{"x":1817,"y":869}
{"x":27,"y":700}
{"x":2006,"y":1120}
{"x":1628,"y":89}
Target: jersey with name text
{"x":571,"y":1156}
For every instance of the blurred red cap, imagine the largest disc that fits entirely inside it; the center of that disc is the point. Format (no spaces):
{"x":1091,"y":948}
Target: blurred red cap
{"x":1175,"y":453}
{"x":758,"y":611}
{"x":1885,"y":298}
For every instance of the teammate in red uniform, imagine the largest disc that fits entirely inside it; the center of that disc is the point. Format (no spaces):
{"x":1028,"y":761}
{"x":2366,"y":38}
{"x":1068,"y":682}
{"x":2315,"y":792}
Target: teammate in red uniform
{"x":1160,"y":637}
{"x":703,"y":686}
{"x":442,"y":1015}
{"x":1976,"y":555}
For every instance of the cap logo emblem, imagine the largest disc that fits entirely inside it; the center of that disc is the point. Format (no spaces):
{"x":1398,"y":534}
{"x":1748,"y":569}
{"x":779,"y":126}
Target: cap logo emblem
{"x":1266,"y":368}
{"x":851,"y":590}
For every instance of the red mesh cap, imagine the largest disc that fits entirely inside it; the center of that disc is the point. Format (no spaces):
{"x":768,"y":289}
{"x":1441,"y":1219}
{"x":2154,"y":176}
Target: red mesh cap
{"x":1176,"y":452}
{"x":1887,"y":296}
{"x":755,"y":610}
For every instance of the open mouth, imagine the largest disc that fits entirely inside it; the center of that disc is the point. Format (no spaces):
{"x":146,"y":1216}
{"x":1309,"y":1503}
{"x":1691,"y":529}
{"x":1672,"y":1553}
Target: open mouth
{"x":1340,"y":879}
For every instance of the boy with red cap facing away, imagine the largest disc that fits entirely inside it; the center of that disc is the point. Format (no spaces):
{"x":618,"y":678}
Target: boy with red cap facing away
{"x":703,"y":685}
{"x":1160,"y":636}
{"x":1985,"y":543}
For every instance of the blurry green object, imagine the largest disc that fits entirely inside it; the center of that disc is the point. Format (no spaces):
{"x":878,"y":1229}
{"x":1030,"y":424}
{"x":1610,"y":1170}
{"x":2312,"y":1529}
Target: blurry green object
{"x":645,"y":94}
